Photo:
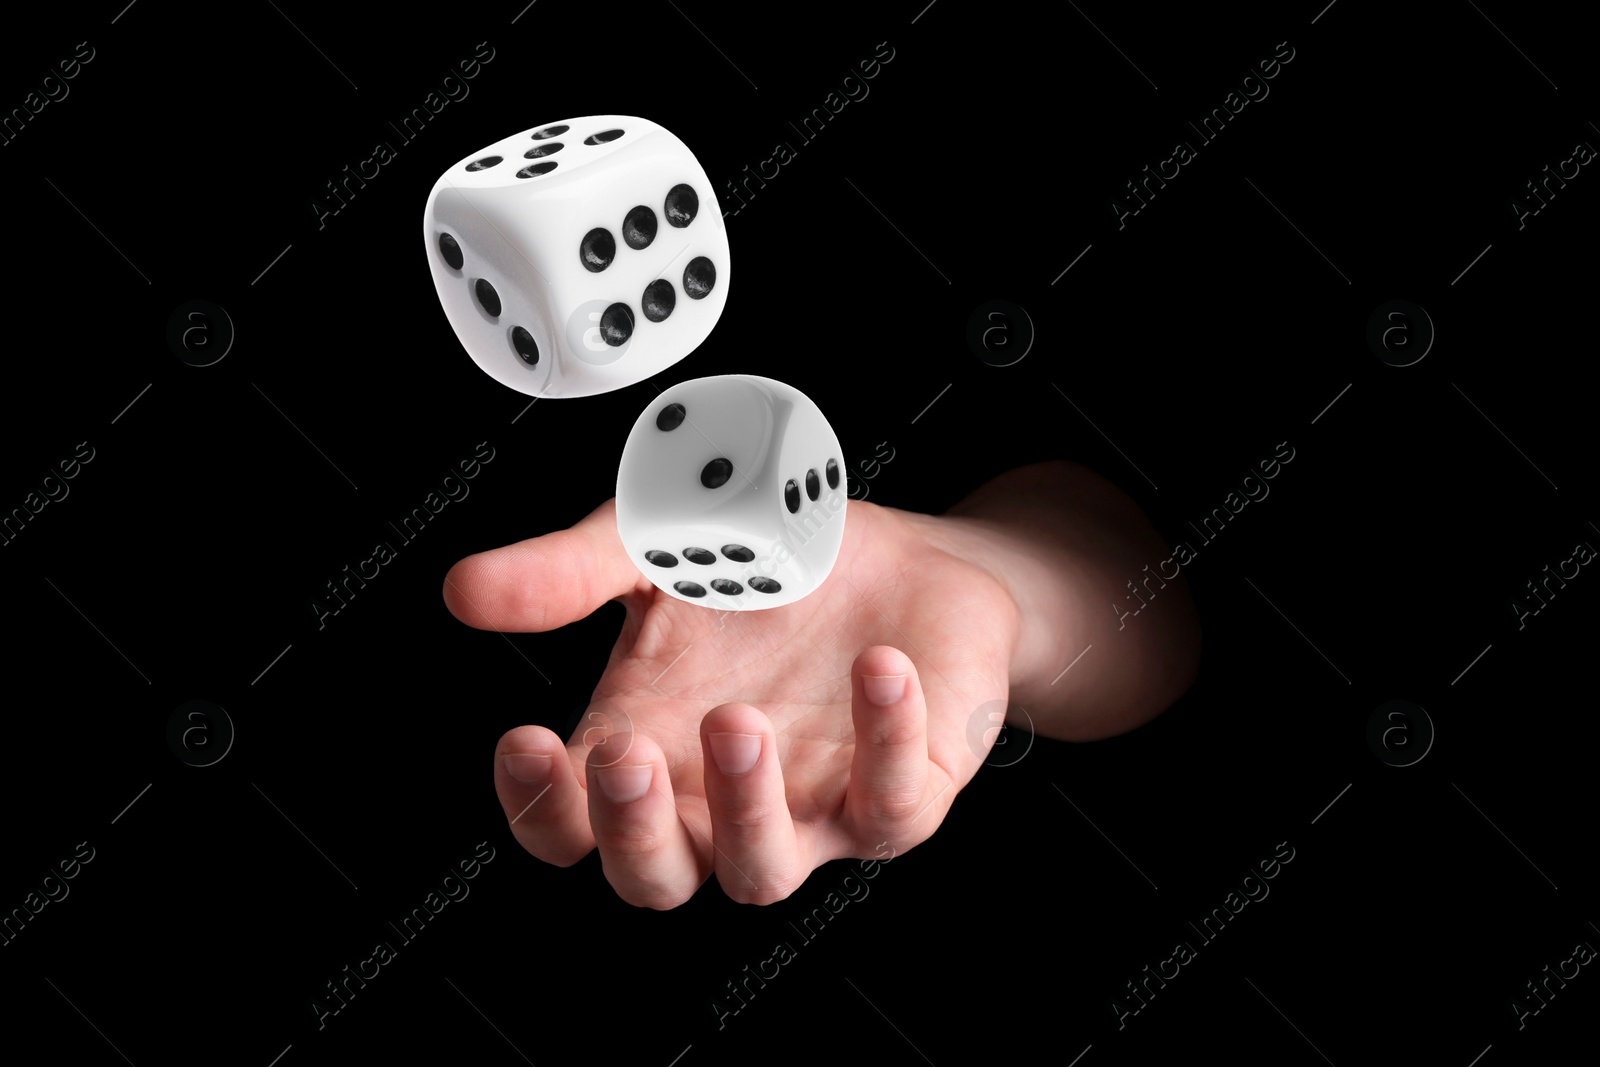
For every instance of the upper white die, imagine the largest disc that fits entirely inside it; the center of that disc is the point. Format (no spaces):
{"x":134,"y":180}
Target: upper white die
{"x":579,"y":256}
{"x":731,"y":493}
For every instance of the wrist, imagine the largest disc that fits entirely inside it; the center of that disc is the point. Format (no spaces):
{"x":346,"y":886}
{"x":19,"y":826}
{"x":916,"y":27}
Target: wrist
{"x":1064,"y":543}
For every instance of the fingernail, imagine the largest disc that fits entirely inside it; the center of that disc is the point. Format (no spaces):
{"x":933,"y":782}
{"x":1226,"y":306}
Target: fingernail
{"x":884,"y":689}
{"x":735,"y":753}
{"x":622,"y":785}
{"x":527,"y":767}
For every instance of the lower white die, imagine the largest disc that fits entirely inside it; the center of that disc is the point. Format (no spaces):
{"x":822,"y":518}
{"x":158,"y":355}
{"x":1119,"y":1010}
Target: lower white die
{"x":731,"y":493}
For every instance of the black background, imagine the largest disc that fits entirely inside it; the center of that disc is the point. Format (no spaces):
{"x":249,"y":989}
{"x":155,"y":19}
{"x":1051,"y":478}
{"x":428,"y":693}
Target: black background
{"x":984,"y":161}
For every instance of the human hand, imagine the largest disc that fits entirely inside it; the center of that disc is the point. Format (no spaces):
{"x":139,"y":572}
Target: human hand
{"x":757,"y":744}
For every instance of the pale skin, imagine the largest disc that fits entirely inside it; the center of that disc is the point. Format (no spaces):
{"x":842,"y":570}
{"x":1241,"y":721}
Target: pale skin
{"x":759,"y":745}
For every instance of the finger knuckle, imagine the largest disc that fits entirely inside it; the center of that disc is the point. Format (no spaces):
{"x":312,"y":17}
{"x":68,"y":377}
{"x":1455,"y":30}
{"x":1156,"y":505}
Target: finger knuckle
{"x":901,"y":732}
{"x":744,"y":814}
{"x":895,"y":805}
{"x":632,"y":840}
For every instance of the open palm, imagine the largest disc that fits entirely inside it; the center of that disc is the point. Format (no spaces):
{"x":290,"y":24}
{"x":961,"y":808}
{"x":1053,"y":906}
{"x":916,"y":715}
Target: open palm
{"x":757,"y":745}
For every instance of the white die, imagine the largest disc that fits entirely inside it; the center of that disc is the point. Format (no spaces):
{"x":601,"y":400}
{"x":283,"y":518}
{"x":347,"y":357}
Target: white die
{"x":579,"y":256}
{"x":731,"y":493}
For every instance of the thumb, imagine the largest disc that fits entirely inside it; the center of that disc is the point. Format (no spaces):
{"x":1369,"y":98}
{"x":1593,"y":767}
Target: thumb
{"x":546,"y":582}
